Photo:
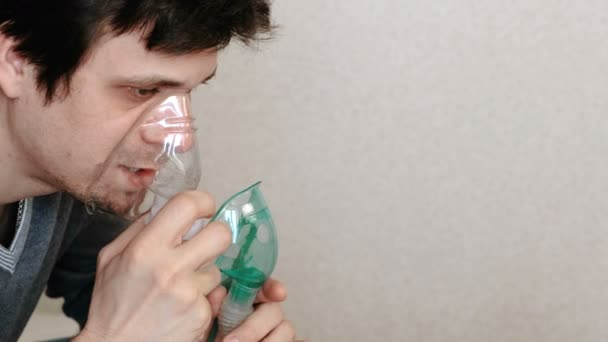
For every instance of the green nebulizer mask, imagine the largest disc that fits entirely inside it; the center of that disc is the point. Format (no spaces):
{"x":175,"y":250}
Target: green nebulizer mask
{"x":250,"y":259}
{"x":157,"y":159}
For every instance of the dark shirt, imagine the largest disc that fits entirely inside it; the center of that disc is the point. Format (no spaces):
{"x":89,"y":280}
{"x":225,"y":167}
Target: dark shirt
{"x":60,"y":243}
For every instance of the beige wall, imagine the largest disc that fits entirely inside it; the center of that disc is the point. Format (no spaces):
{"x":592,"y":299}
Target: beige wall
{"x":438,"y":170}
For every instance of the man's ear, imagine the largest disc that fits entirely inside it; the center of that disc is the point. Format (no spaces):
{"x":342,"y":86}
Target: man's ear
{"x":11,"y":67}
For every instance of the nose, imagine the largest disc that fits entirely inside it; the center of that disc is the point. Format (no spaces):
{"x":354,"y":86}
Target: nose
{"x":170,"y":124}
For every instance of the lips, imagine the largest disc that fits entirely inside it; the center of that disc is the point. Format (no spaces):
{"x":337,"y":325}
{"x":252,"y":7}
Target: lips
{"x":140,"y":178}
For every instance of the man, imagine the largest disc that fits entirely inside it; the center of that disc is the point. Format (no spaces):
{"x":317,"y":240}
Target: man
{"x":75,"y":76}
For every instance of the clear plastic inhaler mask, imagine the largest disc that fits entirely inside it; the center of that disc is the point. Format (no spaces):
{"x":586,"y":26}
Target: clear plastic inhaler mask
{"x":156,"y":159}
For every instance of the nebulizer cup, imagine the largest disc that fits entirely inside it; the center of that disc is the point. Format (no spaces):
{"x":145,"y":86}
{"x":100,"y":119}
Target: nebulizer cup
{"x":252,"y":256}
{"x":159,"y":157}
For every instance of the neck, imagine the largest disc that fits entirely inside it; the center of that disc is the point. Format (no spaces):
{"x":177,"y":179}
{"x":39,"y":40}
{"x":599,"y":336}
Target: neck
{"x":17,"y":179}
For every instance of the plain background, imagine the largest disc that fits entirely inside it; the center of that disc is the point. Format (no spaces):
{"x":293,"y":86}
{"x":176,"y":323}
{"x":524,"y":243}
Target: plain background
{"x":437,"y":170}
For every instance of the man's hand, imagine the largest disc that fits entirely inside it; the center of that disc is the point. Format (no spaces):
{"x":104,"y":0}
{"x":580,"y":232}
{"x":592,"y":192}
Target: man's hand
{"x":147,"y":286}
{"x":266,"y":323}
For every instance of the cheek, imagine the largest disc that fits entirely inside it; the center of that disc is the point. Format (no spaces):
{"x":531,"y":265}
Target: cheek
{"x":100,"y":128}
{"x":71,"y":139}
{"x":74,"y":151}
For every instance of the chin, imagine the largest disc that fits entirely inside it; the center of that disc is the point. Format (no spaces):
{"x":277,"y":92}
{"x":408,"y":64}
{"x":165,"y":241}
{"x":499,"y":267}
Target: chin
{"x":117,"y":204}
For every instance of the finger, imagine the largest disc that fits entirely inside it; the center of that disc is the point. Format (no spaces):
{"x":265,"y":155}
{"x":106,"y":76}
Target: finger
{"x":206,"y":266}
{"x":207,"y":281}
{"x":205,"y":246}
{"x":176,"y":217}
{"x":283,"y":333}
{"x":203,"y":317}
{"x":272,"y":291}
{"x":260,"y":323}
{"x":215,"y":298}
{"x":120,"y":243}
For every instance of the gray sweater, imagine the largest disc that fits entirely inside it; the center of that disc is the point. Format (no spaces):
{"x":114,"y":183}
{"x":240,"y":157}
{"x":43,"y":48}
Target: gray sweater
{"x":60,"y":243}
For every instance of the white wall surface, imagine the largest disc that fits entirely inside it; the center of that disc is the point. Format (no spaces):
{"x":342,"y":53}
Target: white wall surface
{"x":437,"y":169}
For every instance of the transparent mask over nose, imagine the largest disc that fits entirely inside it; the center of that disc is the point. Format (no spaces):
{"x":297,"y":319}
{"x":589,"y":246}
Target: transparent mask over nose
{"x":156,"y":159}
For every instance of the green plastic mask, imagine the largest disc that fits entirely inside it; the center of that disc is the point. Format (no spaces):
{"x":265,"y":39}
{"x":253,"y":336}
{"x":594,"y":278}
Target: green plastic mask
{"x":251,"y":258}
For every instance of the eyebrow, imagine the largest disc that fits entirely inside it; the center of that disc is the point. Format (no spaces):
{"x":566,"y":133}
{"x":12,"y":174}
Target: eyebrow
{"x":160,"y":81}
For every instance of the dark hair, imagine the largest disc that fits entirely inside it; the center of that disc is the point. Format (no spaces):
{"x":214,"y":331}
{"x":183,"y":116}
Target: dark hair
{"x":56,"y":35}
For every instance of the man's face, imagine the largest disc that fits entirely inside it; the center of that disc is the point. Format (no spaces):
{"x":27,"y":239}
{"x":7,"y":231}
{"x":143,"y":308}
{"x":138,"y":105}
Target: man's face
{"x":68,"y":143}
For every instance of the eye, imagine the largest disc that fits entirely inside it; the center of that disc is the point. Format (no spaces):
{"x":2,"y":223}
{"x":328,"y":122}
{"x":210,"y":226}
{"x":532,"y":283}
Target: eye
{"x":142,"y":93}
